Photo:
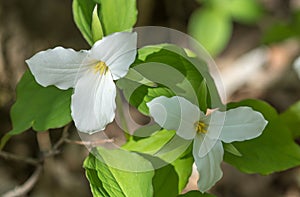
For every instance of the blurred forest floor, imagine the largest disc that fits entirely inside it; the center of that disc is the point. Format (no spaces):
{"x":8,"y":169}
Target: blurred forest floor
{"x":33,"y":25}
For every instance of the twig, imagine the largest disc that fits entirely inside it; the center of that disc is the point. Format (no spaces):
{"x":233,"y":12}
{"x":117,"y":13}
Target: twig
{"x":89,"y":143}
{"x":48,"y":151}
{"x":55,"y":148}
{"x":27,"y":160}
{"x":64,"y":136}
{"x":27,"y":186}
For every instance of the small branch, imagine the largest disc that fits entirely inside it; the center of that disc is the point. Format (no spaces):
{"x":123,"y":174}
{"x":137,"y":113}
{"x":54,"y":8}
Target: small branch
{"x":22,"y":190}
{"x":55,"y":148}
{"x":63,"y":137}
{"x":27,"y":160}
{"x":89,"y":143}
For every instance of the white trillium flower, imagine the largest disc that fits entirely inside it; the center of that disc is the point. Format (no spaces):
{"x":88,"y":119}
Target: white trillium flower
{"x":91,"y":73}
{"x":208,"y":132}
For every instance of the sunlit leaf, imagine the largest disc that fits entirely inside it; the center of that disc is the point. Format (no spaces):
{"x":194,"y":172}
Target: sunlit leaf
{"x":113,"y":16}
{"x":82,"y":13}
{"x":97,"y":32}
{"x":211,"y":28}
{"x":117,"y":15}
{"x":119,"y":173}
{"x":245,"y":11}
{"x":171,"y":149}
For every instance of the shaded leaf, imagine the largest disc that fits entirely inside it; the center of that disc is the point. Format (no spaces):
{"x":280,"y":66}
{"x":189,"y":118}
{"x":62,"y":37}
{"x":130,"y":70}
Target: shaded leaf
{"x":291,"y":119}
{"x":39,"y":107}
{"x":275,"y":150}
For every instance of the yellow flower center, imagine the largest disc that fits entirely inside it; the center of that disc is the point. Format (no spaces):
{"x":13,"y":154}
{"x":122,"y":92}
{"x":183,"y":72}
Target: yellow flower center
{"x":201,"y":127}
{"x":101,"y":67}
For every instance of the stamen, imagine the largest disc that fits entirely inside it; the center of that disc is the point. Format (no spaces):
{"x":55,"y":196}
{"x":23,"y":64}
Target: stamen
{"x":201,"y":127}
{"x":101,"y":67}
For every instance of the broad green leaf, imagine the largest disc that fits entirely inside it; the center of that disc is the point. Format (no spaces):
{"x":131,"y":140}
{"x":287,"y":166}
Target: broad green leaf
{"x":39,"y":107}
{"x":117,"y":15}
{"x":184,"y":167}
{"x":97,"y":32}
{"x":169,"y":66}
{"x":263,"y":107}
{"x":119,"y":173}
{"x":196,"y":194}
{"x":171,"y":149}
{"x":291,"y":119}
{"x":211,"y":28}
{"x":275,"y":150}
{"x":82,"y":13}
{"x":165,"y":182}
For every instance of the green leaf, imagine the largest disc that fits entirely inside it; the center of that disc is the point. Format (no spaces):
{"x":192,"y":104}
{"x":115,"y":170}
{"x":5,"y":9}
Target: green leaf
{"x":113,"y":16}
{"x":153,"y":93}
{"x":291,"y":119}
{"x":117,"y":15}
{"x":97,"y":32}
{"x":277,"y":33}
{"x":135,"y":76}
{"x":211,"y":28}
{"x":119,"y":173}
{"x":231,"y":149}
{"x":275,"y":150}
{"x":263,"y":107}
{"x":195,"y":194}
{"x":82,"y":14}
{"x":151,"y":144}
{"x":245,"y":11}
{"x":39,"y":107}
{"x":165,"y":182}
{"x":171,"y":149}
{"x":169,"y":66}
{"x":283,"y":29}
{"x":184,"y":167}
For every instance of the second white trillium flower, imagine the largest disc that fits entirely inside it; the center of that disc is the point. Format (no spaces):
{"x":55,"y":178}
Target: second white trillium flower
{"x":208,"y":132}
{"x":91,"y":73}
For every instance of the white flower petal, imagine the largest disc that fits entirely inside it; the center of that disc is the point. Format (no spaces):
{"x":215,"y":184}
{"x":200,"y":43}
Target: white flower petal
{"x":118,"y":51}
{"x":175,"y":113}
{"x":242,"y":123}
{"x":209,"y":166}
{"x":59,"y":66}
{"x":93,"y":102}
